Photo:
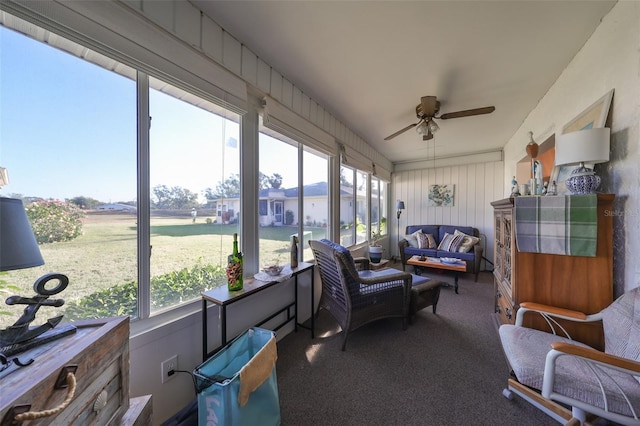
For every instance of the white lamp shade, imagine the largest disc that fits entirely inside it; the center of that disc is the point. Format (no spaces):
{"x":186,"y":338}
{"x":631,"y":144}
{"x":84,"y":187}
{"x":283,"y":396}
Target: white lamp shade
{"x":583,"y":146}
{"x":18,"y":246}
{"x":400,"y":205}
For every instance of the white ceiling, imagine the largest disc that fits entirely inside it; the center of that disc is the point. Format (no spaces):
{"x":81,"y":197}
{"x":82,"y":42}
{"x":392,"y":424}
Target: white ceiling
{"x":369,"y":62}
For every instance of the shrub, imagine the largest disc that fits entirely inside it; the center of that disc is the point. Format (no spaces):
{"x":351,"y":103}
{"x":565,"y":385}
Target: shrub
{"x":109,"y":302}
{"x":55,"y":221}
{"x":288,"y":217}
{"x":6,"y":288}
{"x":166,"y":290}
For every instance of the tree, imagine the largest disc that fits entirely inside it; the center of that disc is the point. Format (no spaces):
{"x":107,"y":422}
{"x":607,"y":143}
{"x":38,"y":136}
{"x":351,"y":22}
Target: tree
{"x":175,"y":198}
{"x":275,"y":181}
{"x":263,"y":181}
{"x":343,"y":179}
{"x":85,"y":202}
{"x":229,"y":188}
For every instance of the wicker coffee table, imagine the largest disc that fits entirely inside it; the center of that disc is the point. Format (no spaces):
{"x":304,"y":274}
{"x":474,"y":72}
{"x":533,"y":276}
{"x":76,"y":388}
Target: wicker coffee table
{"x":436,"y":263}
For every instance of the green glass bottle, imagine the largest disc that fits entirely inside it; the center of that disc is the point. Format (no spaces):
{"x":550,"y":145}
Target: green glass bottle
{"x":234,"y":267}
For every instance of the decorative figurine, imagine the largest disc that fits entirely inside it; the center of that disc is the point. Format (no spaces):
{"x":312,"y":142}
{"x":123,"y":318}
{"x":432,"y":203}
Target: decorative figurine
{"x":20,"y":337}
{"x":536,"y":182}
{"x":20,"y":331}
{"x":515,"y":191}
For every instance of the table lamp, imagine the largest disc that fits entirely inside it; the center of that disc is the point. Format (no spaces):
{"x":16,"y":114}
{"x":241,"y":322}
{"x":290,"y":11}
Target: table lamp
{"x":580,"y":147}
{"x":18,"y":246}
{"x":399,"y":208}
{"x":19,"y":250}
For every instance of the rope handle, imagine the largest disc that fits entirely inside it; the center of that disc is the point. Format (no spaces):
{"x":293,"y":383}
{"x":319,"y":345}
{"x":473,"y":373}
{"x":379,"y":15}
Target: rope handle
{"x":33,"y":415}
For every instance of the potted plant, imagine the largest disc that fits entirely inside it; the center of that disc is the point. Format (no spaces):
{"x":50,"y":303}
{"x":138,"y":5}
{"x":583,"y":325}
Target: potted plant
{"x":375,"y":249}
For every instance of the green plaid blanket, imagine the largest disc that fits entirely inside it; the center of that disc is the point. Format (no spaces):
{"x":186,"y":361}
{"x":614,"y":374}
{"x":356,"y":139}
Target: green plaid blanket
{"x":565,"y":225}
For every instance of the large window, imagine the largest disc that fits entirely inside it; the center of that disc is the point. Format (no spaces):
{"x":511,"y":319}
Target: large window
{"x":287,"y":206}
{"x":133,"y":184}
{"x":70,"y":144}
{"x":193,"y":152}
{"x":362,"y":211}
{"x":347,"y":206}
{"x":354,"y":206}
{"x":278,"y":214}
{"x":363,"y":206}
{"x":316,"y":199}
{"x":378,"y":206}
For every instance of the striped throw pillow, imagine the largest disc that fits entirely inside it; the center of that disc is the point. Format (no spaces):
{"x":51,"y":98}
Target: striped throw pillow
{"x":426,"y":241}
{"x":450,"y":242}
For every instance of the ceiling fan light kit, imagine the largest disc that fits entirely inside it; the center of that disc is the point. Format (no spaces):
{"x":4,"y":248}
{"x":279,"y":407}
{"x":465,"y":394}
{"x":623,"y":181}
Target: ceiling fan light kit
{"x":427,"y":111}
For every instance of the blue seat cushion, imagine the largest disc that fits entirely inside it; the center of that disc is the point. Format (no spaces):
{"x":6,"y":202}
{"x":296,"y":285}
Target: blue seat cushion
{"x":416,"y":279}
{"x":412,"y":251}
{"x":464,"y":256}
{"x":370,"y":295}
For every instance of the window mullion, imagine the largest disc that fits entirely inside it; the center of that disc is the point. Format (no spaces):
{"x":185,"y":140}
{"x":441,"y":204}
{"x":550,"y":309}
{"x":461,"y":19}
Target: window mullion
{"x":301,"y":214}
{"x":144,"y":247}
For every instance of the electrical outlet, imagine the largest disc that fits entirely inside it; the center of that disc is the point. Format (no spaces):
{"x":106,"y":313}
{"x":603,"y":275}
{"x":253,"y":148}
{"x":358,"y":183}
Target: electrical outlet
{"x":169,"y":365}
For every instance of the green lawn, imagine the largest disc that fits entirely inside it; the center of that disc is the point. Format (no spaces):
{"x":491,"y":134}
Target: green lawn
{"x":106,"y":254}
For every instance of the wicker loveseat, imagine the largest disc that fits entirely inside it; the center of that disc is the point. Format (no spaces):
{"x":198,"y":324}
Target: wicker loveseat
{"x":472,"y":257}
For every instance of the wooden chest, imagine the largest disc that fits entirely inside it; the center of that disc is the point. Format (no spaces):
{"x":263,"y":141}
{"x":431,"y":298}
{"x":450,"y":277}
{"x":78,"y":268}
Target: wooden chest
{"x":98,"y":356}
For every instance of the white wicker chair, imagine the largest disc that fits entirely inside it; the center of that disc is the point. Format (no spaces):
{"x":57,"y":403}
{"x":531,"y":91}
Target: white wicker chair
{"x":554,"y":372}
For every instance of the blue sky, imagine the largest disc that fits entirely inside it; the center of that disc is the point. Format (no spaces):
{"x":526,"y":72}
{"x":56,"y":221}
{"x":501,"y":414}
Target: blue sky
{"x":53,"y":125}
{"x":68,"y":128}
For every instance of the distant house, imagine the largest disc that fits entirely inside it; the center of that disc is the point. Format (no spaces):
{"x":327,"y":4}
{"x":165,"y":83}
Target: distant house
{"x":117,"y":207}
{"x":273,"y":205}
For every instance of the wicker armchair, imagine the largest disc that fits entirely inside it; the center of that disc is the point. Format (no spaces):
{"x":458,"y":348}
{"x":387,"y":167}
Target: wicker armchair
{"x":353,"y":300}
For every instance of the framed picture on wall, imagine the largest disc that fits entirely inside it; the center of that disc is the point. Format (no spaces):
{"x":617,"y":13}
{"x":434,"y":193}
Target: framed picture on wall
{"x":440,"y":196}
{"x":595,"y":116}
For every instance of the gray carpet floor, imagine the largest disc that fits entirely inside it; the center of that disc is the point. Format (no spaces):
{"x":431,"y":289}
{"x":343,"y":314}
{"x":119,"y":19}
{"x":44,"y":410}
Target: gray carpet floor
{"x":445,"y":369}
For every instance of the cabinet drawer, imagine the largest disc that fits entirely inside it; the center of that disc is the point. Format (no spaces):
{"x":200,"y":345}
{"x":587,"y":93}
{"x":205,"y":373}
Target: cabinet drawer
{"x":98,"y":354}
{"x":504,"y":307}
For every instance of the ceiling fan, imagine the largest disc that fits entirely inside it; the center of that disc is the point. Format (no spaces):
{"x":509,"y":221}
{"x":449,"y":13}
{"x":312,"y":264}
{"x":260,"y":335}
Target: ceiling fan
{"x":428,"y":109}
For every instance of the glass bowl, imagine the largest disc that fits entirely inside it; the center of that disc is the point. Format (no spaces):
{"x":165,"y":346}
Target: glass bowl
{"x":273,"y":270}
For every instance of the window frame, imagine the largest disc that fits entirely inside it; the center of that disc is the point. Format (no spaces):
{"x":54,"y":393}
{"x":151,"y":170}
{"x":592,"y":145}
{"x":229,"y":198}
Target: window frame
{"x":145,"y":319}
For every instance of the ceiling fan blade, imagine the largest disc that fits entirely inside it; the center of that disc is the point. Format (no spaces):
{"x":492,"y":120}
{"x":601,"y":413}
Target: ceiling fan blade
{"x":410,"y":126}
{"x":468,"y":112}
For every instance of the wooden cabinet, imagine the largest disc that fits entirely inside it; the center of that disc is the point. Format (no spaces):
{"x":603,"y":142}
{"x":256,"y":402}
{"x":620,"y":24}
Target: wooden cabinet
{"x":574,"y":282}
{"x":503,"y":234}
{"x":98,"y":355}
